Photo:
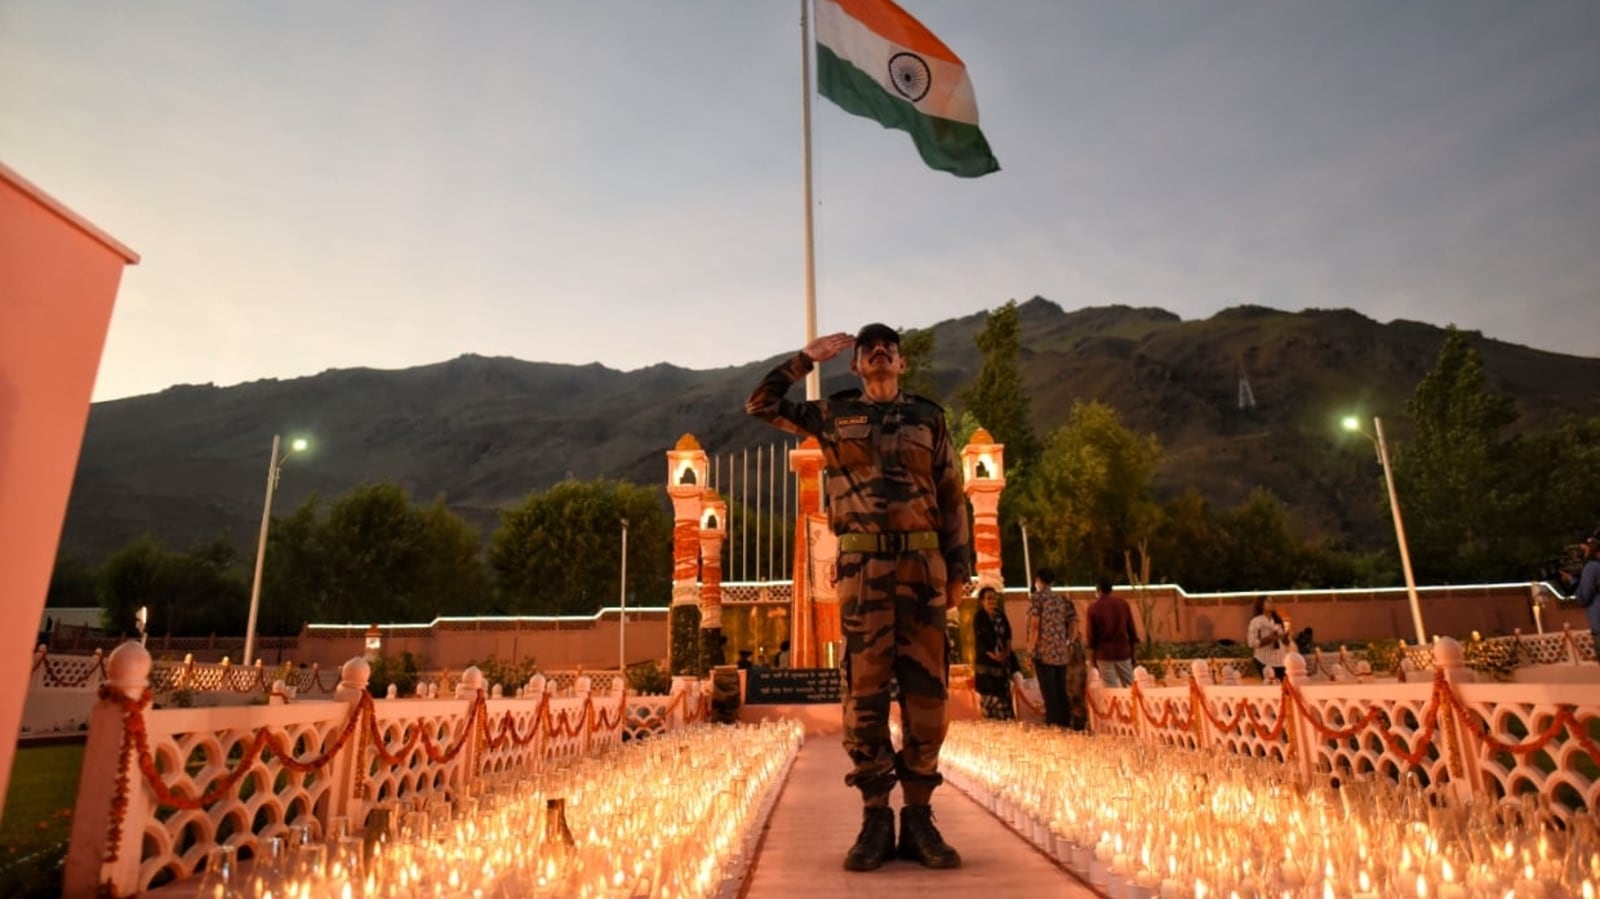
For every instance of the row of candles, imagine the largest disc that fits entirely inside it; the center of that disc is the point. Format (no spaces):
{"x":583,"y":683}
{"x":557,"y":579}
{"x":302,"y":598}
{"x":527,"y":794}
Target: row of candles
{"x":670,"y":817}
{"x":1139,"y":821}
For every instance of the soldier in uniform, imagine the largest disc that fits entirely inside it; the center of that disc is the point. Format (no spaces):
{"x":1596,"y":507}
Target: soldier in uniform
{"x":895,"y":500}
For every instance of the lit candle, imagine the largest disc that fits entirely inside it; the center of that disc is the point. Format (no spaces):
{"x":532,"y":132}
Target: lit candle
{"x":1449,"y":888}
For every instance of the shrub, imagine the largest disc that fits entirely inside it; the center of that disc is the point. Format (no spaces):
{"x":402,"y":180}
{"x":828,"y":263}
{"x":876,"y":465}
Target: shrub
{"x":401,"y":672}
{"x":508,"y":676}
{"x":649,"y":679}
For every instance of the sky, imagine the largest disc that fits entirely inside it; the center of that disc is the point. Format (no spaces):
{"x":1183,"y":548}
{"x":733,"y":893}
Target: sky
{"x":389,"y":184}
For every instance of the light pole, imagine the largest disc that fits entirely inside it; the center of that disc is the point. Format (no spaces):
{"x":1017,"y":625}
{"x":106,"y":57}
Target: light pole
{"x":622,"y":617}
{"x":1351,"y":423}
{"x":1027,"y":561}
{"x":274,"y":465}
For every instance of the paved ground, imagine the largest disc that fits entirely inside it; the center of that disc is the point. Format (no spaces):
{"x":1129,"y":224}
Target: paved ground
{"x":816,"y":819}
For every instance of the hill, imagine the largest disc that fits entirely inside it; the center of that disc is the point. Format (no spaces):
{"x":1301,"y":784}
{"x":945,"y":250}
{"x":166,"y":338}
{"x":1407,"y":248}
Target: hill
{"x":187,"y":464}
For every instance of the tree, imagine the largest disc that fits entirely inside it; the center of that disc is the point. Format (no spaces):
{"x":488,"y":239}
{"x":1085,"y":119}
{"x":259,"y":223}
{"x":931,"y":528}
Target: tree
{"x":1260,"y":552}
{"x":1452,"y":477}
{"x":372,"y":556}
{"x":916,"y":348}
{"x":295,"y":582}
{"x":72,"y":584}
{"x":1089,"y":498}
{"x":387,"y":559}
{"x":1187,"y":544}
{"x":559,"y":551}
{"x":185,"y":594}
{"x":129,"y":579}
{"x":996,"y":396}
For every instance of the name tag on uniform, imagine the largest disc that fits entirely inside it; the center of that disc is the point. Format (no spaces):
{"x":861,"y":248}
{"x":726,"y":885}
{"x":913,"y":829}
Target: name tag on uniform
{"x":849,"y":420}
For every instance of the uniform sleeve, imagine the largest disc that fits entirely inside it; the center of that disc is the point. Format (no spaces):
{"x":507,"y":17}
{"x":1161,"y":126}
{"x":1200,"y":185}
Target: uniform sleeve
{"x":955,"y":534}
{"x":767,"y":401}
{"x":1589,"y":583}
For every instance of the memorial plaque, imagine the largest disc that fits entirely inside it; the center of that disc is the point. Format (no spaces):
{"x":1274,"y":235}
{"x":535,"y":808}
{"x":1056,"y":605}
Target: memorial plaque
{"x":791,"y":686}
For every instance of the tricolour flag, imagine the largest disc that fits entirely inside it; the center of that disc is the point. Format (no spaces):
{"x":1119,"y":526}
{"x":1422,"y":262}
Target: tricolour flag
{"x":875,"y":60}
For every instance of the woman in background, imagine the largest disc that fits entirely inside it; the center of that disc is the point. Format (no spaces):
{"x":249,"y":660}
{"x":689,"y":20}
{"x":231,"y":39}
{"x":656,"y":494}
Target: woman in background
{"x":993,"y":661}
{"x":1268,"y":636}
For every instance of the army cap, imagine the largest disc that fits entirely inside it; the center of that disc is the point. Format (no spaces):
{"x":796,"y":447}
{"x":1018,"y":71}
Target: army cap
{"x":875,"y":332}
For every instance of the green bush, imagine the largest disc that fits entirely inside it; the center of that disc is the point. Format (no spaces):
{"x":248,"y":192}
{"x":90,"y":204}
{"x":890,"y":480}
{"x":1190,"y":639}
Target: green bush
{"x":684,"y":623}
{"x":401,"y":672}
{"x":508,"y":676}
{"x":649,"y":679}
{"x":1384,"y":655}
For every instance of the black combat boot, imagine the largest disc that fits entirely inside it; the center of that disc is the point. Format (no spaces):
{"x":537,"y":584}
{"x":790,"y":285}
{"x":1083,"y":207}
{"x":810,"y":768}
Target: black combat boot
{"x":875,"y":844}
{"x":920,"y":840}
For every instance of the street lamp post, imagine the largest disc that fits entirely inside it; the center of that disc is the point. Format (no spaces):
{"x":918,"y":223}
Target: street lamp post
{"x":274,"y":465}
{"x":1027,"y":560}
{"x":622,"y":602}
{"x":1351,"y":423}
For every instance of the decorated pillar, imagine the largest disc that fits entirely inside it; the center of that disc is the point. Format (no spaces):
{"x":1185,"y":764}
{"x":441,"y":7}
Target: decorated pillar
{"x":686,"y":484}
{"x":984,"y":478}
{"x":713,"y":528}
{"x":814,"y":622}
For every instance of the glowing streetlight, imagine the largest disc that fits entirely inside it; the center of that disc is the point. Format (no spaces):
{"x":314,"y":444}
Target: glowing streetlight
{"x":1351,"y":423}
{"x":274,"y":466}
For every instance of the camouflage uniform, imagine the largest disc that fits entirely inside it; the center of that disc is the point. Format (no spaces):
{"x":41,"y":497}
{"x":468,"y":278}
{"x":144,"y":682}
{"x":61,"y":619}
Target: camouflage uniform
{"x":891,"y":470}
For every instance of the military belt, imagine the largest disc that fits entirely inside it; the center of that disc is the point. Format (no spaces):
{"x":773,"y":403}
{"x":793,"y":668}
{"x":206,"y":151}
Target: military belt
{"x":889,"y":542}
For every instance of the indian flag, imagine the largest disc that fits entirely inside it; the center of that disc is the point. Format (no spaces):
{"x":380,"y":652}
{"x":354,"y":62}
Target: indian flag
{"x":874,"y":60}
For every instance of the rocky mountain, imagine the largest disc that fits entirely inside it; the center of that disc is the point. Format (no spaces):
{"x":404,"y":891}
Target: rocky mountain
{"x":188,"y":464}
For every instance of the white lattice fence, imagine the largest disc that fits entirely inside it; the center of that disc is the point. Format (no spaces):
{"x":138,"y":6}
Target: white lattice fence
{"x":1467,"y":737}
{"x":163,"y":786}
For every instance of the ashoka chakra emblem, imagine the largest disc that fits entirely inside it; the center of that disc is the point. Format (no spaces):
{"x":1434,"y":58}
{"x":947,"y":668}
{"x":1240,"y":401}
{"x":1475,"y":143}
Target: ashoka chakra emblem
{"x":910,"y":76}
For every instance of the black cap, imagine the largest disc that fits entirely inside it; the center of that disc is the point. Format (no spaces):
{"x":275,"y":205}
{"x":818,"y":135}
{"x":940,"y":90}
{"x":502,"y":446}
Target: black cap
{"x":875,"y":332}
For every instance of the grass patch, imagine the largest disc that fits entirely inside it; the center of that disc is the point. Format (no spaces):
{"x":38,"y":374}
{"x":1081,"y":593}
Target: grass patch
{"x":44,"y":783}
{"x":38,"y":819}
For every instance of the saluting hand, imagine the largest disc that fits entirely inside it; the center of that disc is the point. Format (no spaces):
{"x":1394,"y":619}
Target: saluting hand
{"x":824,"y":348}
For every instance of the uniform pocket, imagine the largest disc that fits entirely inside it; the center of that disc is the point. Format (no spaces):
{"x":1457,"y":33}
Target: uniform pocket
{"x":853,"y":445}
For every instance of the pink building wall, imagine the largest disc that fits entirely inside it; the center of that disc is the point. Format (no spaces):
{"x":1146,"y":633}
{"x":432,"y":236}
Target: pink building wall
{"x":58,"y":280}
{"x":452,"y":645}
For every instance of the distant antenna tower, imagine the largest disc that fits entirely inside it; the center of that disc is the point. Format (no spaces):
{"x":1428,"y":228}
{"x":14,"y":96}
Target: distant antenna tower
{"x":1247,"y":397}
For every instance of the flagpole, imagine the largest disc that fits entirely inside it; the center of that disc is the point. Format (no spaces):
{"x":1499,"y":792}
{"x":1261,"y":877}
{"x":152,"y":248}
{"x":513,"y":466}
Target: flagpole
{"x":813,"y":380}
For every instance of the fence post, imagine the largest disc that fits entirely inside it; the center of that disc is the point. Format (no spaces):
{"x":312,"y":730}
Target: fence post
{"x":1200,"y":678}
{"x":1459,"y":748}
{"x":108,"y":824}
{"x":541,"y":741}
{"x":1298,"y":730}
{"x":583,"y":688}
{"x":675,"y":705}
{"x":349,"y":769}
{"x":1572,"y":645}
{"x":470,"y":688}
{"x":1096,"y":689}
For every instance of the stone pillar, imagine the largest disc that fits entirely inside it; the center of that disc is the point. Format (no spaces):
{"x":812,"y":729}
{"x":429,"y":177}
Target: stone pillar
{"x":984,"y":477}
{"x":686,"y":484}
{"x":102,"y":856}
{"x":713,"y":530}
{"x":811,"y":623}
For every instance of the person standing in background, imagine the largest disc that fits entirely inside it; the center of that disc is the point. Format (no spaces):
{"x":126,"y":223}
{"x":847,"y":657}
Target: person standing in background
{"x":1052,"y":623}
{"x":1112,"y":637}
{"x":992,"y":658}
{"x":1268,"y":636}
